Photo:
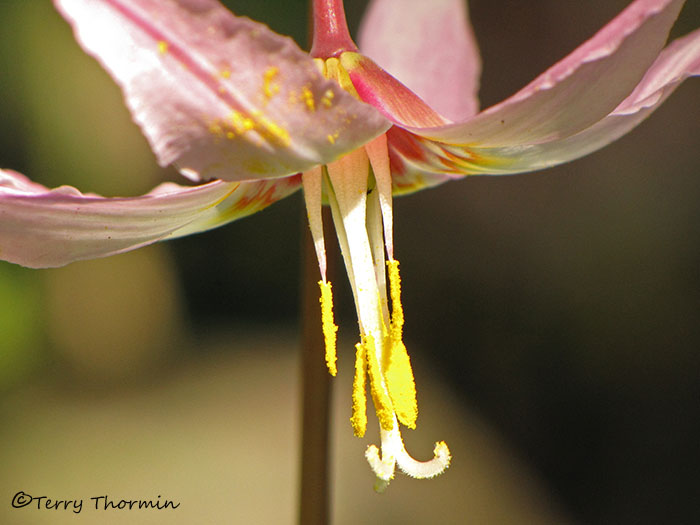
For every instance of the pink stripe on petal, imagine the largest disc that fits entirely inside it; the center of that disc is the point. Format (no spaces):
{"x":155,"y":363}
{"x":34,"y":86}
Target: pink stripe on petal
{"x":430,"y":47}
{"x":577,"y":91}
{"x":220,"y":96}
{"x":41,"y":227}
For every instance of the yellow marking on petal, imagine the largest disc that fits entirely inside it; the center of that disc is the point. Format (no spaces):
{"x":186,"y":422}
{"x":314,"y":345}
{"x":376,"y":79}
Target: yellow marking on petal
{"x":270,"y":88}
{"x":382,"y":402}
{"x":240,"y":122}
{"x":359,"y":394}
{"x":271,"y":129}
{"x":257,"y":166}
{"x":162,"y":47}
{"x":399,"y":374}
{"x":308,"y":97}
{"x":328,"y":325}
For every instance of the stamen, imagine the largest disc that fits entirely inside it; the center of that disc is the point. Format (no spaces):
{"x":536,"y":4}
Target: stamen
{"x":401,"y":386}
{"x":359,"y":395}
{"x":312,"y":182}
{"x":399,"y":374}
{"x":334,"y":69}
{"x":328,"y":325}
{"x":397,"y":318}
{"x":378,"y":153}
{"x":382,"y":402}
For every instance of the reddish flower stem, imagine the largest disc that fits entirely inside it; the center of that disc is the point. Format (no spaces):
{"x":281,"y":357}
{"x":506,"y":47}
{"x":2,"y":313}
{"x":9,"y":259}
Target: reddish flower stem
{"x":331,"y":36}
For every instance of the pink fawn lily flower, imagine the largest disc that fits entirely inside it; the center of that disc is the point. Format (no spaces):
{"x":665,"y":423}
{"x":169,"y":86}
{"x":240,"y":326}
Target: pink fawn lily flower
{"x":224,"y":98}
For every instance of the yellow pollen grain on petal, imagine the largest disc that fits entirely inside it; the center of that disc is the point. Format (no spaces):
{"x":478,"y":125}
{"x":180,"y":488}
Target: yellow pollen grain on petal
{"x":328,"y":326}
{"x":331,"y":137}
{"x":270,"y":88}
{"x":359,"y":395}
{"x":308,"y":97}
{"x":382,"y":402}
{"x":327,"y":98}
{"x":162,"y":47}
{"x":225,"y":73}
{"x":240,"y":122}
{"x":216,"y":129}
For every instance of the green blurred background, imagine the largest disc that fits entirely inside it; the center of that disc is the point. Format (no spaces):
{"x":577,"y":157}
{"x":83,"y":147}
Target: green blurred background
{"x":553,"y":318}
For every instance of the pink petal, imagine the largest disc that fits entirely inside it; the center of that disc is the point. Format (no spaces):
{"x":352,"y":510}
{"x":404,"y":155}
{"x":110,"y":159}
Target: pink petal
{"x":680,"y":60}
{"x":430,"y":47}
{"x":394,"y":100}
{"x":219,"y":95}
{"x":579,"y":90}
{"x":40,"y":227}
{"x":413,"y":166}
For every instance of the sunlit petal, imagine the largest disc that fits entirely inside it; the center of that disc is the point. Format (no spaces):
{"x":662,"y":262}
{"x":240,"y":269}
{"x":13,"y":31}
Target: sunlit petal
{"x":218,"y":95}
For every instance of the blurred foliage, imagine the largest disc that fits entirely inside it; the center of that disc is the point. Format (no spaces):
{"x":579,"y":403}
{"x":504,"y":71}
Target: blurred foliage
{"x":20,"y":315}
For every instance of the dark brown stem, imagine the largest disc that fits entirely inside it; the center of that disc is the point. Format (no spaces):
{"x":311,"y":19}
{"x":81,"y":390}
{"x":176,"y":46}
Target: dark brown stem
{"x":314,"y":506}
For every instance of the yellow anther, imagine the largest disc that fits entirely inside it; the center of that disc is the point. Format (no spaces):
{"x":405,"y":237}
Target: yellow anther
{"x":399,"y":374}
{"x":328,"y":325}
{"x":336,"y":71}
{"x":359,"y":395}
{"x":401,"y":386}
{"x":395,"y":293}
{"x":382,"y":401}
{"x":162,"y":47}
